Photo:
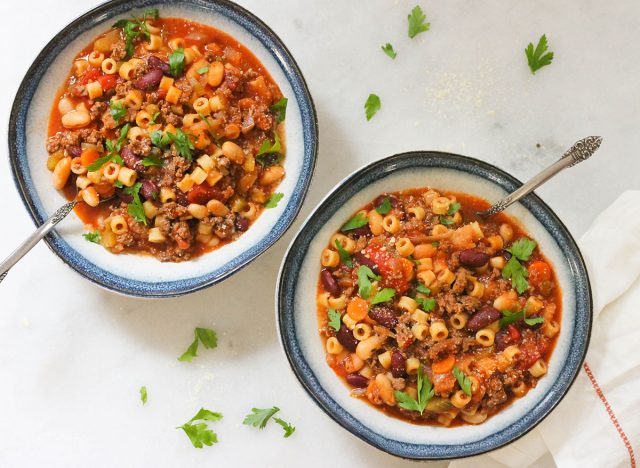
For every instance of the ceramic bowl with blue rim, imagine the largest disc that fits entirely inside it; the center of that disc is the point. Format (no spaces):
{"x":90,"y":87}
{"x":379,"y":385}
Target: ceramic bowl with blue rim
{"x":298,"y":327}
{"x":144,"y":275}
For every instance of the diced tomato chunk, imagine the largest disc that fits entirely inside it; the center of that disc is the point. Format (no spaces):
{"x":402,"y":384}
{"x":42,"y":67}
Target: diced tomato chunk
{"x":90,"y":75}
{"x":539,"y":272}
{"x":107,"y":81}
{"x":396,"y":271}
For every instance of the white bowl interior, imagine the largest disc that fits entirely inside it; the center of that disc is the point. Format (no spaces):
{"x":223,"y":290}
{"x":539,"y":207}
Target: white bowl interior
{"x":146,"y":268}
{"x":311,"y":344}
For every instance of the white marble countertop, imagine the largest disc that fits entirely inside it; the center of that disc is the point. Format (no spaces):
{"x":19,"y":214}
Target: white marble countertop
{"x":74,"y":356}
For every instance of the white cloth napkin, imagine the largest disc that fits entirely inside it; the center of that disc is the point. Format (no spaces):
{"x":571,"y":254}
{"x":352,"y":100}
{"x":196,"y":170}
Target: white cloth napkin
{"x":597,"y":424}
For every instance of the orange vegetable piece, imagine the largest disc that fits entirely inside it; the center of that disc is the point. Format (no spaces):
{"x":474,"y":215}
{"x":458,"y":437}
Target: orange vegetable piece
{"x":444,"y":366}
{"x":358,"y":309}
{"x":539,"y":271}
{"x":88,"y":156}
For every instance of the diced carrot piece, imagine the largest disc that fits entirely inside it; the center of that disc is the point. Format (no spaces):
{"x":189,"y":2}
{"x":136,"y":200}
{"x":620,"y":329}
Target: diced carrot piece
{"x":358,"y":309}
{"x":443,"y":366}
{"x":88,"y":156}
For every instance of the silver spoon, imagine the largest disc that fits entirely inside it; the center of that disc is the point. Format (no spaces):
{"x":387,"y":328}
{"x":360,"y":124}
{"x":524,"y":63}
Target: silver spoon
{"x":34,"y":238}
{"x":580,"y":151}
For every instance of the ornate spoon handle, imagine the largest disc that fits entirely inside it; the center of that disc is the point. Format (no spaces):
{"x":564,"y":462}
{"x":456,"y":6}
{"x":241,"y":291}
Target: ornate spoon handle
{"x":34,"y":238}
{"x":580,"y":151}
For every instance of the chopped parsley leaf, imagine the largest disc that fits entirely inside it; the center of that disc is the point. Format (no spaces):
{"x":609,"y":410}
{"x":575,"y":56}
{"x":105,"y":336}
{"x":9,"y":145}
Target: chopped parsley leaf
{"x":425,"y":393}
{"x":372,"y":106}
{"x":335,"y":319}
{"x":463,"y":380}
{"x":417,"y":23}
{"x":384,"y":207}
{"x":135,"y":208}
{"x":259,"y":417}
{"x":345,"y":258}
{"x":152,"y":161}
{"x":365,"y":275}
{"x":356,"y":222}
{"x":176,"y":62}
{"x":143,"y":395}
{"x":118,"y":110}
{"x":388,"y":49}
{"x":537,"y":58}
{"x":384,"y":295}
{"x":280,"y":109}
{"x":93,"y":237}
{"x":273,"y":200}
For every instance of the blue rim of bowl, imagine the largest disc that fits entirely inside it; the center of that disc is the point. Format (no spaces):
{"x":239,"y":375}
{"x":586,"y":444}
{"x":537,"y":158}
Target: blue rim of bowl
{"x":26,"y":188}
{"x":296,"y":253}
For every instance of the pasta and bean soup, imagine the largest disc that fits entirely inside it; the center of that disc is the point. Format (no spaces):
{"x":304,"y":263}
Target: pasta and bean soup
{"x":432,"y":314}
{"x":171,"y":133}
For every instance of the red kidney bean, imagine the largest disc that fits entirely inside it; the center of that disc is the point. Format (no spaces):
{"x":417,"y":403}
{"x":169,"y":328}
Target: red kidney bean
{"x":362,"y":260}
{"x":361,"y":231}
{"x":329,"y":282}
{"x":346,"y":338}
{"x":380,"y":200}
{"x":148,"y":190}
{"x":123,"y":196}
{"x":181,"y":198}
{"x":149,"y":80}
{"x":384,"y":315}
{"x":241,"y":223}
{"x":506,"y":337}
{"x":482,"y":318}
{"x":131,"y":160}
{"x":398,"y":363}
{"x":155,"y":62}
{"x":473,"y":258}
{"x":506,"y":255}
{"x":357,"y":380}
{"x":74,"y":151}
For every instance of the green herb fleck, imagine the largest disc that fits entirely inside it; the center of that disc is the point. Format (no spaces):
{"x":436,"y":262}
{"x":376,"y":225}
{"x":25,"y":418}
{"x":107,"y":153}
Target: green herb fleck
{"x":384,"y":295}
{"x":417,"y":23}
{"x":335,"y":319}
{"x":425,"y":393}
{"x":206,"y":336}
{"x":372,"y":106}
{"x":280,"y":109}
{"x":463,"y":380}
{"x":356,"y":222}
{"x":135,"y":208}
{"x":273,"y":200}
{"x":176,"y":62}
{"x":537,"y":58}
{"x":365,"y":275}
{"x":199,"y":434}
{"x":345,"y":258}
{"x":143,"y":395}
{"x":93,"y":237}
{"x":388,"y":49}
{"x":384,"y":207}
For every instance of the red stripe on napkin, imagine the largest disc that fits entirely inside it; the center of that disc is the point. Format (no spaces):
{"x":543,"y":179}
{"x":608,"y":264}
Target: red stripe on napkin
{"x":612,"y":415}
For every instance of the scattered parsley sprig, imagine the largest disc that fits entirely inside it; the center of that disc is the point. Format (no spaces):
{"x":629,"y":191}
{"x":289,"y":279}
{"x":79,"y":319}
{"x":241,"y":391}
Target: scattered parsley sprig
{"x":259,"y":418}
{"x":538,"y":57}
{"x":417,"y":22}
{"x":206,"y":336}
{"x":372,"y":105}
{"x":199,"y":434}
